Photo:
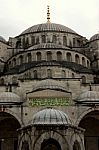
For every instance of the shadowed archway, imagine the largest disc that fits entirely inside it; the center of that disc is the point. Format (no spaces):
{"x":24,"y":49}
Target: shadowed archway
{"x":90,"y":123}
{"x":50,"y":144}
{"x":8,"y":131}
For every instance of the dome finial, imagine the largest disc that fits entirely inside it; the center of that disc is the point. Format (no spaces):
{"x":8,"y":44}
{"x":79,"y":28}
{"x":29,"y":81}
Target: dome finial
{"x":48,"y":14}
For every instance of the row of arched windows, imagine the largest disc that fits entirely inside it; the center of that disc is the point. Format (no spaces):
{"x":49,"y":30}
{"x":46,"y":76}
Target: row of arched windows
{"x":36,"y":74}
{"x":50,"y":56}
{"x":33,"y":40}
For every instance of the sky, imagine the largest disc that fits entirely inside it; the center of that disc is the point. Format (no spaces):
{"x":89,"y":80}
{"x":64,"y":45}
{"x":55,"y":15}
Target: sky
{"x":81,"y":16}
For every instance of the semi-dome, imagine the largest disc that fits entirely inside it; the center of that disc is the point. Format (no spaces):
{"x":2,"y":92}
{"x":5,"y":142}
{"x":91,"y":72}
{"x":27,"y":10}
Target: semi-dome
{"x":95,"y":37}
{"x":9,"y":98}
{"x":88,"y":97}
{"x":48,"y":27}
{"x":49,"y":84}
{"x":2,"y":39}
{"x":47,"y":46}
{"x":50,"y":116}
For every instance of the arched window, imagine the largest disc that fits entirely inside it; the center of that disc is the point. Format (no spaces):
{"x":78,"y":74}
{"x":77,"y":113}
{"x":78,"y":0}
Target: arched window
{"x":74,"y":42}
{"x":64,"y":40}
{"x":70,"y":43}
{"x":14,"y":62}
{"x":59,"y":56}
{"x":33,"y":40}
{"x":49,"y":73}
{"x":18,"y":44}
{"x":83,"y":61}
{"x":23,"y":42}
{"x":73,"y":76}
{"x":77,"y":59}
{"x":25,"y":145}
{"x":83,"y":79}
{"x":76,"y":146}
{"x":37,"y":40}
{"x":29,"y":57}
{"x":49,"y":56}
{"x":14,"y":80}
{"x":27,"y":42}
{"x":35,"y":74}
{"x":63,"y":74}
{"x":20,"y":60}
{"x":69,"y":57}
{"x":43,"y":39}
{"x":2,"y":81}
{"x":54,"y":40}
{"x":38,"y":54}
{"x":88,"y":64}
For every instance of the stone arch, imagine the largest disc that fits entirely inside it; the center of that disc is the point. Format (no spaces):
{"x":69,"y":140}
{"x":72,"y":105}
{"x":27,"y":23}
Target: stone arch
{"x":83,"y":79}
{"x":49,"y":73}
{"x":77,"y":59}
{"x":76,"y":138}
{"x":14,"y":62}
{"x":29,"y":57}
{"x":43,"y":38}
{"x":49,"y":56}
{"x":59,"y":55}
{"x":8,"y":129}
{"x":69,"y":56}
{"x":15,"y":116}
{"x":51,"y":134}
{"x":54,"y":39}
{"x":25,"y":136}
{"x":63,"y":74}
{"x":64,"y":40}
{"x":50,"y":144}
{"x":35,"y":74}
{"x":88,"y":63}
{"x":85,"y":113}
{"x":20,"y":59}
{"x":83,"y":61}
{"x":38,"y":56}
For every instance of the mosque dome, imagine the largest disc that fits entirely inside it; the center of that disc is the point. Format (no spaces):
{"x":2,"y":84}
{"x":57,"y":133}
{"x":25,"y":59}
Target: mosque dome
{"x":50,"y":116}
{"x":2,"y":39}
{"x":9,"y":98}
{"x":45,"y":27}
{"x":94,"y":37}
{"x":49,"y":84}
{"x":88,"y":97}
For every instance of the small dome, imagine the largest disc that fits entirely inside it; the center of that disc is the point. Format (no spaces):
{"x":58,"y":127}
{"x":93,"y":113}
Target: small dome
{"x":49,"y":84}
{"x":48,"y":27}
{"x":88,"y":97}
{"x":2,"y":39}
{"x":50,"y":116}
{"x":94,"y":37}
{"x":9,"y":98}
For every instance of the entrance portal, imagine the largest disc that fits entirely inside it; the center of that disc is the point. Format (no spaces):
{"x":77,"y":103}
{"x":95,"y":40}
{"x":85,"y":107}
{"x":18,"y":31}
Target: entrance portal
{"x":8,"y":132}
{"x":50,"y":144}
{"x":91,"y":125}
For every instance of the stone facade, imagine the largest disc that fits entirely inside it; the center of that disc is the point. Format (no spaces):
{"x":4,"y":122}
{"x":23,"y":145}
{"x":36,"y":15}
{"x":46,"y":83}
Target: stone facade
{"x":49,"y":66}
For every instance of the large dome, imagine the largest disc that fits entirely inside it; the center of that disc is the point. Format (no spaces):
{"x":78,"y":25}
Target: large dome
{"x":48,"y":27}
{"x":95,"y":37}
{"x":2,"y":39}
{"x":50,"y":116}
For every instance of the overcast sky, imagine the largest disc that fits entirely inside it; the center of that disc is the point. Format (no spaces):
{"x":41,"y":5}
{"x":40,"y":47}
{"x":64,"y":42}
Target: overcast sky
{"x":80,"y":15}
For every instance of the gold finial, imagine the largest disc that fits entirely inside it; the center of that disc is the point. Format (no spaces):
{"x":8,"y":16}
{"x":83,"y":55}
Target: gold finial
{"x":48,"y":14}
